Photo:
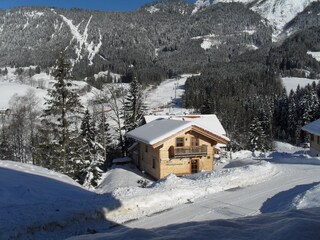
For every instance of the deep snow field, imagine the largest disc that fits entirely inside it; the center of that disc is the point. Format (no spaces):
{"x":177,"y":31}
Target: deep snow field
{"x":252,"y":196}
{"x":12,"y":84}
{"x":291,"y":83}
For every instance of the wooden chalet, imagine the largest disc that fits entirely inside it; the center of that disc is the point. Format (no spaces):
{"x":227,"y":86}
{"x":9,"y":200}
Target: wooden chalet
{"x":313,"y":129}
{"x":180,"y":147}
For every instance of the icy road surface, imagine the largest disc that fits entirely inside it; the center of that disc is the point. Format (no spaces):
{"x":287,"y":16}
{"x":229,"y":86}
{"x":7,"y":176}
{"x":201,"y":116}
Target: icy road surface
{"x":270,"y":196}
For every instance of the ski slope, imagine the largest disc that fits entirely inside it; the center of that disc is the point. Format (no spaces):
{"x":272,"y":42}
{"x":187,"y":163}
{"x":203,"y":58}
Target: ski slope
{"x":167,"y":97}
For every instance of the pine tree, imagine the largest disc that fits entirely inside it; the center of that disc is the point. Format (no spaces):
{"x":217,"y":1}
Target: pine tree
{"x":292,"y":116}
{"x":257,"y":138}
{"x":104,"y":138}
{"x":281,"y":115}
{"x":5,"y":149}
{"x":60,"y":119}
{"x":89,"y":171}
{"x":207,"y":106}
{"x":134,"y":107}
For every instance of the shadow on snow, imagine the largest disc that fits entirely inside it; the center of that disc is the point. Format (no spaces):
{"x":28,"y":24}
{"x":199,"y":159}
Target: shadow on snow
{"x":283,"y":200}
{"x":39,"y":207}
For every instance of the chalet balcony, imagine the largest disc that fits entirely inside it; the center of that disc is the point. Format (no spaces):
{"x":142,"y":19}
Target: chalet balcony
{"x":190,"y":151}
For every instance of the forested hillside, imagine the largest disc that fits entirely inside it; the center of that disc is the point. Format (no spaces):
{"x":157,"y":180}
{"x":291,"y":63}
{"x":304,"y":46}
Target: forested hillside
{"x":155,"y":42}
{"x":248,"y":90}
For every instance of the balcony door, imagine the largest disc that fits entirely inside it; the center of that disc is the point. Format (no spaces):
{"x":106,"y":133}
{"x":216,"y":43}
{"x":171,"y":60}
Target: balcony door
{"x":194,"y":165}
{"x":194,"y":142}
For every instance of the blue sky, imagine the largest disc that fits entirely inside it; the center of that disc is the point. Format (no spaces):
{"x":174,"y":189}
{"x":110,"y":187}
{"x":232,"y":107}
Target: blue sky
{"x":115,"y":5}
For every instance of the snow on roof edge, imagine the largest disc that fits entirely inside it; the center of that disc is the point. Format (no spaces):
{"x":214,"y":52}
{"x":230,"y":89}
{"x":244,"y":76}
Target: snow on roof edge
{"x":214,"y":133}
{"x":144,"y":135}
{"x":209,"y":122}
{"x":313,"y":127}
{"x":162,"y":136}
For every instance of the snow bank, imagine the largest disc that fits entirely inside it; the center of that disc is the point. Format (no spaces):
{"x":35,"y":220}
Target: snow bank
{"x":167,"y":193}
{"x":120,"y":176}
{"x":286,"y":147}
{"x":36,"y":203}
{"x":242,"y":154}
{"x":309,"y":199}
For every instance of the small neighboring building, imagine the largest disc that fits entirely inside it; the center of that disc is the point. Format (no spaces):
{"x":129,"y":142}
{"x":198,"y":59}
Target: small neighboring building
{"x":180,"y":147}
{"x":313,"y":129}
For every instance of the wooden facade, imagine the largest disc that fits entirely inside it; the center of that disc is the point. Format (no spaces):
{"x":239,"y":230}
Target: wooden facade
{"x":315,"y":143}
{"x":188,"y":151}
{"x":313,"y":129}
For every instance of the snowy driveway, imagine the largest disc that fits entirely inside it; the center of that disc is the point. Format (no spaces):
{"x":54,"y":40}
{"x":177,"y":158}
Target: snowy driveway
{"x":275,"y":194}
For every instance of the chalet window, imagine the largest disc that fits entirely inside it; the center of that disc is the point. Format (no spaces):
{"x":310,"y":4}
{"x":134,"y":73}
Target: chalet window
{"x":171,"y":152}
{"x":146,"y":148}
{"x":312,"y":137}
{"x":194,"y":141}
{"x":179,"y":142}
{"x":153,"y":162}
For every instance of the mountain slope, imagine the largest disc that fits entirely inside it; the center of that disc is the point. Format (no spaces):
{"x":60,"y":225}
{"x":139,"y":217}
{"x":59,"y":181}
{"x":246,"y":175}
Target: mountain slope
{"x":280,"y":12}
{"x":277,"y":12}
{"x":158,"y":41}
{"x":308,"y":18}
{"x":153,"y":42}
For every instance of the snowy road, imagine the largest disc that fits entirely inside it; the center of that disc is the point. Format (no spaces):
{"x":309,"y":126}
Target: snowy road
{"x":268,"y":196}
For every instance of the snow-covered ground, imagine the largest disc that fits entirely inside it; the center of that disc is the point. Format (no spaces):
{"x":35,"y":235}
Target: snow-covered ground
{"x":8,"y":89}
{"x":173,"y":190}
{"x":36,"y":203}
{"x":293,"y":225}
{"x":291,"y":83}
{"x":12,"y":84}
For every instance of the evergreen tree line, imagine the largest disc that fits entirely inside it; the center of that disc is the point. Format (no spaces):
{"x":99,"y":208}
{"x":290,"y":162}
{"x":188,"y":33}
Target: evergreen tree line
{"x":65,"y":136}
{"x":294,"y":110}
{"x":252,"y":104}
{"x":292,"y":58}
{"x":240,"y":94}
{"x":247,"y":94}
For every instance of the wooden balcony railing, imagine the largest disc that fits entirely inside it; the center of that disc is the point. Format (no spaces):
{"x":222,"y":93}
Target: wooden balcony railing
{"x":190,"y":151}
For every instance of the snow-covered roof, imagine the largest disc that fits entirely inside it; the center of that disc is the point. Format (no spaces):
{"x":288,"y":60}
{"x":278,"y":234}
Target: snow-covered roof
{"x":313,"y":127}
{"x":209,"y":122}
{"x":156,"y":131}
